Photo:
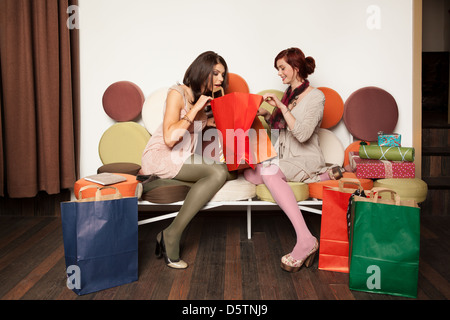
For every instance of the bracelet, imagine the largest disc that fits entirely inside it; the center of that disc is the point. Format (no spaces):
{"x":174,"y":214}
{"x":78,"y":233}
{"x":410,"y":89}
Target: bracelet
{"x":187,"y":119}
{"x":287,"y":111}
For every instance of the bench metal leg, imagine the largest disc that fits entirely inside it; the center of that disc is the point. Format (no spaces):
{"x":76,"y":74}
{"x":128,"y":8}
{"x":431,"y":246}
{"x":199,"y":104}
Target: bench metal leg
{"x":249,"y":221}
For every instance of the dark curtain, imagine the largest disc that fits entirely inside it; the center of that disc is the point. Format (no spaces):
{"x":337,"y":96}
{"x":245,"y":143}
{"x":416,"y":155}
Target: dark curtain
{"x":39,"y":95}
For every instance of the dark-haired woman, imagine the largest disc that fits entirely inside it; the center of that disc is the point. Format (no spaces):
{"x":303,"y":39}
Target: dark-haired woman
{"x":170,"y":152}
{"x":298,"y":117}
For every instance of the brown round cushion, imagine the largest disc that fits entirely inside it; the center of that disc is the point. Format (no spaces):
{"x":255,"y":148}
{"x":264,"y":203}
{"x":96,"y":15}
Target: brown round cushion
{"x":368,"y":111}
{"x":120,"y":167}
{"x":123,"y":101}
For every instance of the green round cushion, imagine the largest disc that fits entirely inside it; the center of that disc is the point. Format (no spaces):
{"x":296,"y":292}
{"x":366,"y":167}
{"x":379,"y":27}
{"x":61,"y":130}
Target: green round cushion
{"x":123,"y":142}
{"x":415,"y":189}
{"x":300,"y":189}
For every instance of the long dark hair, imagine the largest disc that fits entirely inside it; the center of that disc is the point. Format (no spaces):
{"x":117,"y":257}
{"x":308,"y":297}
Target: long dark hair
{"x":200,"y":71}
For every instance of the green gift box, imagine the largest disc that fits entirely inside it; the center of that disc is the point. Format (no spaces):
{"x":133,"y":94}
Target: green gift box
{"x":384,"y":245}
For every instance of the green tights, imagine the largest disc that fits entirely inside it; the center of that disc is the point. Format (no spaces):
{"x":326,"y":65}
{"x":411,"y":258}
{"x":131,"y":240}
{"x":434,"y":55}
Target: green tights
{"x":208,"y":180}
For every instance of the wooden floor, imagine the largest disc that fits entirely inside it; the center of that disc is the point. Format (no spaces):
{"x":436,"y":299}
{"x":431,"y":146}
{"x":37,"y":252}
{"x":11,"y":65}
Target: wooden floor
{"x":224,"y":264}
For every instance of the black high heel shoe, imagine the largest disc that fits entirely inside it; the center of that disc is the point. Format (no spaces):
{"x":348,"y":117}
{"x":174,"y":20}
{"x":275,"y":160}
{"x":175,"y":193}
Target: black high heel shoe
{"x":160,"y":251}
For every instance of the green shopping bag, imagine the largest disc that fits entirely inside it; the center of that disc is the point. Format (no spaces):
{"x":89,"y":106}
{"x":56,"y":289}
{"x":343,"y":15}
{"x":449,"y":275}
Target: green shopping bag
{"x":384,"y":245}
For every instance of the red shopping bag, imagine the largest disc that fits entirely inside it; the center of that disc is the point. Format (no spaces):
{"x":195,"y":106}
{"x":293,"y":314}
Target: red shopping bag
{"x":244,"y":140}
{"x":334,"y":244}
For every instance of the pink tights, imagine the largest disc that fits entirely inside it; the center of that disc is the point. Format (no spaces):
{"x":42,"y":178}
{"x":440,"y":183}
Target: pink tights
{"x":282,"y":193}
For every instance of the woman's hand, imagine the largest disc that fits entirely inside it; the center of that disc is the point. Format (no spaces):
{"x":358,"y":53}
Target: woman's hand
{"x":211,"y":122}
{"x":273,"y":100}
{"x":201,"y":103}
{"x":262,"y":112}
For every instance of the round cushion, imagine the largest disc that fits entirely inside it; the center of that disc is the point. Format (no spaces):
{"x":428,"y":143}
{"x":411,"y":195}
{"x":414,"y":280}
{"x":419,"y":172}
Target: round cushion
{"x":334,"y":108}
{"x":332,"y":147}
{"x":120,"y":167}
{"x":123,"y":101}
{"x":415,"y":189}
{"x":300,"y":189}
{"x":268,"y":107}
{"x":165,"y":191}
{"x":153,"y":109}
{"x":123,"y":142}
{"x":368,"y":111}
{"x":235,"y":190}
{"x":352,"y":147}
{"x":237,"y":84}
{"x":316,"y":189}
{"x":127,"y":188}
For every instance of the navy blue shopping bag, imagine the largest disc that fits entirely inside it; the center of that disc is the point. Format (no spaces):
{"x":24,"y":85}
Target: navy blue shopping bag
{"x":100,"y":241}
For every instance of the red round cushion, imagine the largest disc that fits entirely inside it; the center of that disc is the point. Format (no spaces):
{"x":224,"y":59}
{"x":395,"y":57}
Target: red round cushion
{"x":123,"y":101}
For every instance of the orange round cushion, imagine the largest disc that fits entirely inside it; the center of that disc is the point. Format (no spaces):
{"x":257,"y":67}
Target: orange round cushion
{"x":316,"y":189}
{"x":353,"y":147}
{"x":334,"y":108}
{"x":237,"y":84}
{"x":126,"y":188}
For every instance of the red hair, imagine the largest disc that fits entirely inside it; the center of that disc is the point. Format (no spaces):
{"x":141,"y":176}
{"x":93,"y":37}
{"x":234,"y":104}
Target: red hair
{"x":297,"y":60}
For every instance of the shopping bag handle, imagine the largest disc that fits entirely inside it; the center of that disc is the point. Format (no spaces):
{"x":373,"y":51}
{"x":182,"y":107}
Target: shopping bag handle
{"x":80,"y":193}
{"x":217,"y":90}
{"x":376,"y":191}
{"x":98,"y":194}
{"x":344,"y":181}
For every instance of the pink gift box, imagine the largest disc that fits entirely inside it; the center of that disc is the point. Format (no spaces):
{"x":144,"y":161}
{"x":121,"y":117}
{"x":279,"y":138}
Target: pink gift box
{"x":381,"y":169}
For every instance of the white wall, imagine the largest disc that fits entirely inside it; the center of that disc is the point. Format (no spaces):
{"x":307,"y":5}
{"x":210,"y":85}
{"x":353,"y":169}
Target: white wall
{"x":151,"y":43}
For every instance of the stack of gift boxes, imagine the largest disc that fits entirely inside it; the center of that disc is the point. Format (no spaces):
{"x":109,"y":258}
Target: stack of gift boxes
{"x":386,"y":160}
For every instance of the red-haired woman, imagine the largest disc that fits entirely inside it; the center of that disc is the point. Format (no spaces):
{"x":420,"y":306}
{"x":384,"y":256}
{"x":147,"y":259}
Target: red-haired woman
{"x":298,"y":117}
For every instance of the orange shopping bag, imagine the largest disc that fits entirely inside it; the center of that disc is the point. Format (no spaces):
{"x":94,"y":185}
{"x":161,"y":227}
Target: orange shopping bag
{"x":244,"y":139}
{"x":334,"y":244}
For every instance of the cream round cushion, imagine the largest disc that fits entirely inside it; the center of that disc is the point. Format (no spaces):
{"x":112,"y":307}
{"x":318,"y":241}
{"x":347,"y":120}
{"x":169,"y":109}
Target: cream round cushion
{"x":235,"y":190}
{"x":153,"y":109}
{"x":332,"y":148}
{"x":415,"y":189}
{"x":123,"y":142}
{"x":300,"y":189}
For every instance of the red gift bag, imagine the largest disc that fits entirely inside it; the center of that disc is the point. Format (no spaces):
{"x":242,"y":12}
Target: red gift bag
{"x":334,"y":244}
{"x":244,"y":140}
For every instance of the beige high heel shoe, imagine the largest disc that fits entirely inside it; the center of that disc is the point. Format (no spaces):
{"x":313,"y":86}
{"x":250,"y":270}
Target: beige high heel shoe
{"x":160,"y":252}
{"x":289,"y":264}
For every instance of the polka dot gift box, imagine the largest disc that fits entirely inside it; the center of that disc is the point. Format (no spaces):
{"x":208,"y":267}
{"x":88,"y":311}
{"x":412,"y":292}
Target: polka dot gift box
{"x":381,"y":169}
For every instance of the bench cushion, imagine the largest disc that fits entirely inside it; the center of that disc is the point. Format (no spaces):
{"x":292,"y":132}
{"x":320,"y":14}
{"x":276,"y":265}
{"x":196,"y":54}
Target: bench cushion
{"x":301,"y":192}
{"x":235,"y":190}
{"x":165,"y":191}
{"x":120,"y":167}
{"x":127,"y":188}
{"x":415,"y":189}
